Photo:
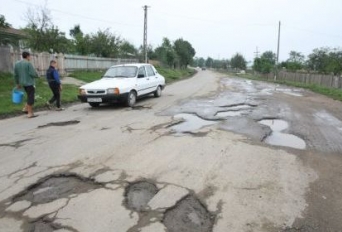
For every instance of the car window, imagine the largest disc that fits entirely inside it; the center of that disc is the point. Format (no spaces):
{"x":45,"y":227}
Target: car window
{"x":150,"y":71}
{"x":142,"y":71}
{"x":121,"y":71}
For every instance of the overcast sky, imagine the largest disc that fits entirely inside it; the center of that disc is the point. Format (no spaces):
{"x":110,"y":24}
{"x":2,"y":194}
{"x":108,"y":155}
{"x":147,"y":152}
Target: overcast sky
{"x":215,"y":28}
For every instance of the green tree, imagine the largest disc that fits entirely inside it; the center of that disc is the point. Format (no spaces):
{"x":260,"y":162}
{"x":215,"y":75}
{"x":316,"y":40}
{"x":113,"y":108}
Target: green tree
{"x":80,"y":42}
{"x":201,"y":62}
{"x":238,"y":62}
{"x":126,"y":50}
{"x":42,"y":35}
{"x":166,"y":53}
{"x":185,"y":52}
{"x":3,"y":23}
{"x":266,"y":62}
{"x":326,"y":60}
{"x":104,"y":44}
{"x":295,"y":62}
{"x":209,"y":62}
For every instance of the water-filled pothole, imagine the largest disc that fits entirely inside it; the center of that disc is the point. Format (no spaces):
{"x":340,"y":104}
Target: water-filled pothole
{"x":56,"y":187}
{"x":139,"y":194}
{"x":189,"y":215}
{"x":191,"y":123}
{"x":278,"y":138}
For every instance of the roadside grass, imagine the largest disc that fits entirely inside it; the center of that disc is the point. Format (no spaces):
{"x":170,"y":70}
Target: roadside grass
{"x":169,"y":74}
{"x":43,"y":94}
{"x":335,"y":94}
{"x":87,"y":76}
{"x":172,"y":75}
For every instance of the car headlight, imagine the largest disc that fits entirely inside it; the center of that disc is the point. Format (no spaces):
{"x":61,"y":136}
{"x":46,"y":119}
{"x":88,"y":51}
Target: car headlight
{"x":82,"y":91}
{"x":113,"y":91}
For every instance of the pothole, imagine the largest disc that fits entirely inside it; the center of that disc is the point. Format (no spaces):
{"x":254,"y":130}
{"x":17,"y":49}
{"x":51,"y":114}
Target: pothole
{"x":141,"y":107}
{"x":56,"y":187}
{"x":278,"y":138}
{"x":41,"y":226}
{"x":191,"y":123}
{"x":65,"y":123}
{"x":229,"y":114}
{"x":139,"y":194}
{"x":189,"y":215}
{"x":15,"y":144}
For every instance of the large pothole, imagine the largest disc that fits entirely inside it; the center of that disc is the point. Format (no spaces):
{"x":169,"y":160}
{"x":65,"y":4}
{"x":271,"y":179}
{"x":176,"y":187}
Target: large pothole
{"x":65,"y":123}
{"x":189,"y":215}
{"x":139,"y":194}
{"x":56,"y":187}
{"x":41,"y":226}
{"x":279,"y":138}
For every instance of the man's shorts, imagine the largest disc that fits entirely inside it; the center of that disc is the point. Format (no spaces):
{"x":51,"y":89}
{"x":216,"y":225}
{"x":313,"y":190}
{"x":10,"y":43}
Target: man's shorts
{"x":30,"y":90}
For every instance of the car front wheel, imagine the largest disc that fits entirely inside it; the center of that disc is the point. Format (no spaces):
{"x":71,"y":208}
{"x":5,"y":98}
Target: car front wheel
{"x":131,"y":99}
{"x":158,"y":92}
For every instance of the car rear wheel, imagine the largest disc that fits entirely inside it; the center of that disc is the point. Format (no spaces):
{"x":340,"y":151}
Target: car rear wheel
{"x":131,"y":99}
{"x":158,"y":92}
{"x":94,"y":104}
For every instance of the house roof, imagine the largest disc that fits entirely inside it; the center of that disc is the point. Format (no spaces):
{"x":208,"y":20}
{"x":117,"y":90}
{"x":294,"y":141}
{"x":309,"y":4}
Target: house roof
{"x":12,"y":32}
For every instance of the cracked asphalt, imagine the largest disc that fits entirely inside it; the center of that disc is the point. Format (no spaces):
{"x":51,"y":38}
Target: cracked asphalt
{"x":214,"y":153}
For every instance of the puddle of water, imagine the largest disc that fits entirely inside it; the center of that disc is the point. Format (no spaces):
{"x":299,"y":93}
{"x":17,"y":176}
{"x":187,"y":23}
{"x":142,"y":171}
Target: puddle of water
{"x":229,"y":114}
{"x":192,"y":123}
{"x":285,"y":140}
{"x":292,"y":92}
{"x":275,"y":125}
{"x":277,"y":138}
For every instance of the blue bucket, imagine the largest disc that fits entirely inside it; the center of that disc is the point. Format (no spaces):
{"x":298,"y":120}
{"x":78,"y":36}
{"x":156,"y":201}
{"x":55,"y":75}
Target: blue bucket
{"x":17,"y":96}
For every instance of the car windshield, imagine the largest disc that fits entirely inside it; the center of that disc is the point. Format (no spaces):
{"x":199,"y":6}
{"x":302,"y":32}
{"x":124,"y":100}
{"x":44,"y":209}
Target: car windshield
{"x":121,"y":71}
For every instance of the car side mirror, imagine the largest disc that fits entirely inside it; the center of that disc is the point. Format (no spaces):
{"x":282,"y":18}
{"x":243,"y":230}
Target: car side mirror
{"x":141,"y":75}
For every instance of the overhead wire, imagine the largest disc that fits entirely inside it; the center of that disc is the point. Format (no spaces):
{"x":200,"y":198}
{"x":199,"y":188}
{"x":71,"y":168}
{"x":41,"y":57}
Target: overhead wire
{"x":80,"y":16}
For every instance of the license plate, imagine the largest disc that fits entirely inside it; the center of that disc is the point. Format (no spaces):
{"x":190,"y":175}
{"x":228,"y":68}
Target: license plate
{"x":94,"y":99}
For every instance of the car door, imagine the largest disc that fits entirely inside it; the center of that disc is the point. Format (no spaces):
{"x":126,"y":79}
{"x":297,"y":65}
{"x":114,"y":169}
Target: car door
{"x":153,"y":78}
{"x":142,"y":81}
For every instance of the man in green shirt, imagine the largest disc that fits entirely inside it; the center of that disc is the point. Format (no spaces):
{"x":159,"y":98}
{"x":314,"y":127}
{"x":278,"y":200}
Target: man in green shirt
{"x":24,"y":76}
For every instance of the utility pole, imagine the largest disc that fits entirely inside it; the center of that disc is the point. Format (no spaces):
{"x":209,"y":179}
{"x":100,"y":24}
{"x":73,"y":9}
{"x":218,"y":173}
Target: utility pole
{"x":277,"y":61}
{"x":145,"y":33}
{"x":256,"y":53}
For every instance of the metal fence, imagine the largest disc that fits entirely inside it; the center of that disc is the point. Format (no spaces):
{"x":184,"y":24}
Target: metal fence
{"x":66,"y":63}
{"x":329,"y":81}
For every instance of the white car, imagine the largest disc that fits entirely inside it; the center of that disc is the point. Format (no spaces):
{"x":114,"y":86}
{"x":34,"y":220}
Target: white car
{"x":124,"y":83}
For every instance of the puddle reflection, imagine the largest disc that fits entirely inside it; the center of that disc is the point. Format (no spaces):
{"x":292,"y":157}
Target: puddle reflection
{"x":191,"y":123}
{"x":277,"y":138}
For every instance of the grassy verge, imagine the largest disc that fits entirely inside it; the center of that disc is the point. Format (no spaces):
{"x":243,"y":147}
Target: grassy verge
{"x":43,"y":93}
{"x":335,"y":94}
{"x":87,"y":76}
{"x":169,"y":74}
{"x":172,"y":75}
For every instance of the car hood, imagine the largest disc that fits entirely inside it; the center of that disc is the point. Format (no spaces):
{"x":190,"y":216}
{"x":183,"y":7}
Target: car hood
{"x":106,"y":83}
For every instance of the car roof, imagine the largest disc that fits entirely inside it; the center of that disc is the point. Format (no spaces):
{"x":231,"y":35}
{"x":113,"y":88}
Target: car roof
{"x":138,"y":65}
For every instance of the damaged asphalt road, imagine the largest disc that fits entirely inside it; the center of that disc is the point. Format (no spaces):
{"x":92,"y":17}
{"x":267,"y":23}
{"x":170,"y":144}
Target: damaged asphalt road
{"x":213,"y":154}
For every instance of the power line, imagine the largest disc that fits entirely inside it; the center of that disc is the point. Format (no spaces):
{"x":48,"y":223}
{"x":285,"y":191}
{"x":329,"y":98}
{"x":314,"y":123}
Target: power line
{"x":78,"y":15}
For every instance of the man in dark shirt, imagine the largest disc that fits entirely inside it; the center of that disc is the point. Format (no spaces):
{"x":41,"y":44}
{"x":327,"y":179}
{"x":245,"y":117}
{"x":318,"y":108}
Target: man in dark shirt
{"x":55,"y":84}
